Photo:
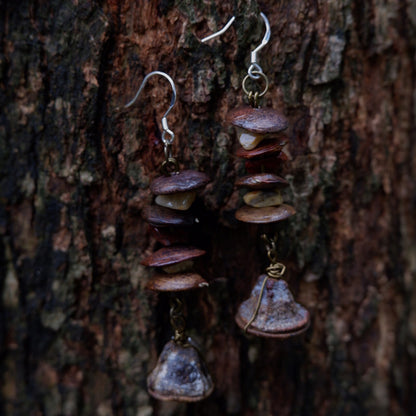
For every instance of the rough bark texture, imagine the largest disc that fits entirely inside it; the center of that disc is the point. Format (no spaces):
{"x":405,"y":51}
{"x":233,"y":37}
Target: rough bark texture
{"x":78,"y":332}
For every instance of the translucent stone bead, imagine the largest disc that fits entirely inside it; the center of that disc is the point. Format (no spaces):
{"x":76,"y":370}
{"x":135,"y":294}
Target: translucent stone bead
{"x":260,"y":199}
{"x":180,"y":201}
{"x":249,"y":140}
{"x":183,"y":266}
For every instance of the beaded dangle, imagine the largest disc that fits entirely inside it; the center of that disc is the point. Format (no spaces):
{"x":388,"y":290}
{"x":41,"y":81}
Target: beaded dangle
{"x":180,"y":373}
{"x":271,"y":310}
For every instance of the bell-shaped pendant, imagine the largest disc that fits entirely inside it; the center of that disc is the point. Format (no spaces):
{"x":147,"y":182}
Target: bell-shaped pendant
{"x":180,"y":375}
{"x":271,"y":311}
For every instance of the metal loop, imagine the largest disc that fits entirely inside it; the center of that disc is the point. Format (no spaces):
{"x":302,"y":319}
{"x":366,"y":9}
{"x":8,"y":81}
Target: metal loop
{"x":253,"y":69}
{"x":271,"y":246}
{"x":168,"y":151}
{"x":170,"y":165}
{"x":168,"y":141}
{"x":260,"y":74}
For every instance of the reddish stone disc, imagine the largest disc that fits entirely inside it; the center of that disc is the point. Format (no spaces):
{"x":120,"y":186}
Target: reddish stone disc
{"x":179,"y":282}
{"x":257,"y":120}
{"x":163,"y":217}
{"x":168,"y":236}
{"x":171,"y":255}
{"x":261,"y":181}
{"x":186,"y":180}
{"x":269,"y":164}
{"x":266,"y":149}
{"x":264,"y":215}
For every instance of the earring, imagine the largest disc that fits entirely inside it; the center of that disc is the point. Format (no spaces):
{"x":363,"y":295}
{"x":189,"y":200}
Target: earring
{"x":271,"y":310}
{"x":180,"y":373}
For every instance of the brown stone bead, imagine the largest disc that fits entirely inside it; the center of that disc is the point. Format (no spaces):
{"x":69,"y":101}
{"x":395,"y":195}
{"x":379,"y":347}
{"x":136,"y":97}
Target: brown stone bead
{"x":264,"y":215}
{"x":168,"y":236}
{"x":257,"y":120}
{"x":163,"y":217}
{"x":180,"y":375}
{"x":178,"y":282}
{"x":261,"y":181}
{"x":186,"y":180}
{"x":171,"y":255}
{"x":267,"y":148}
{"x":278,"y":316}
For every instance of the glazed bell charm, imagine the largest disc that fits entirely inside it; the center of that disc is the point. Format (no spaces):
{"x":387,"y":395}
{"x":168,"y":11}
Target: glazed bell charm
{"x":277,"y":314}
{"x":180,"y":375}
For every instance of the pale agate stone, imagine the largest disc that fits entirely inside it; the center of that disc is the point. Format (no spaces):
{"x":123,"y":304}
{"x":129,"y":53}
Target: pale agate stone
{"x":183,"y":266}
{"x":249,"y":140}
{"x":180,"y":200}
{"x":260,"y":199}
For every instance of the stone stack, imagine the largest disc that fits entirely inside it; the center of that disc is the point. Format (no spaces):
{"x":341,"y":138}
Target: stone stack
{"x":271,"y":310}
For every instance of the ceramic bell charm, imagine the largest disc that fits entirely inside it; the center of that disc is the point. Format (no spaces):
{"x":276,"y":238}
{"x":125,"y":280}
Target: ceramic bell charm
{"x":278,"y":315}
{"x":180,"y":374}
{"x":271,"y":310}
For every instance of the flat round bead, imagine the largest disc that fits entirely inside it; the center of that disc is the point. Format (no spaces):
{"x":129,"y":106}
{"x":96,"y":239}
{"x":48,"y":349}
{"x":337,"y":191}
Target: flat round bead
{"x":184,"y":181}
{"x":163,"y":217}
{"x":261,"y":181}
{"x":264,"y":215}
{"x":179,"y":282}
{"x":267,"y":148}
{"x":171,"y":255}
{"x":257,"y":120}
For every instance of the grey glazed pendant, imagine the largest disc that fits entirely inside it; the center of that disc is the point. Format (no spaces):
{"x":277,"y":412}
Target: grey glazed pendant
{"x":180,"y":375}
{"x":278,"y":316}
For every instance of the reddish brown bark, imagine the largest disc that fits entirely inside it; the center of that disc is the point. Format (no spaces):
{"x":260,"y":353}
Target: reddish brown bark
{"x":79,"y":333}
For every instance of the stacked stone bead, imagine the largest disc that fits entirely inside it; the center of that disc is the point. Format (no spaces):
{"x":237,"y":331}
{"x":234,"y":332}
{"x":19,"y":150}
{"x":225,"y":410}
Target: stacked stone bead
{"x":259,"y":132}
{"x":169,"y":217}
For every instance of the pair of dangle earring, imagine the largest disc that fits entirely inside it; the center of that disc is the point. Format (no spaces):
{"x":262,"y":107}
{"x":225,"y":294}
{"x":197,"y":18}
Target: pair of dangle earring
{"x":180,"y":373}
{"x":271,"y":310}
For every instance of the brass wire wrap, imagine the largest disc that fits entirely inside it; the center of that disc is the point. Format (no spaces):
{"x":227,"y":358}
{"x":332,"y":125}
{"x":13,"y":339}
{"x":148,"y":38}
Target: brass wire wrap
{"x":177,"y":320}
{"x":275,"y":270}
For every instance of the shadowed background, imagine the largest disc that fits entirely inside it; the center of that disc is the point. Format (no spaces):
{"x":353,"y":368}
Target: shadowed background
{"x":78,"y":332}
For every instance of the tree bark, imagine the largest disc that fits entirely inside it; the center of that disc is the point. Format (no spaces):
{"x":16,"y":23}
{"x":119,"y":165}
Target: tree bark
{"x":79,"y":333}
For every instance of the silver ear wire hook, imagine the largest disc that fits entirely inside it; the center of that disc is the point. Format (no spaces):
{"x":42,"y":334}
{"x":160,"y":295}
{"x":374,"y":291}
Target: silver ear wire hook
{"x":220,"y":32}
{"x":170,"y":164}
{"x":169,"y":141}
{"x":254,"y":67}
